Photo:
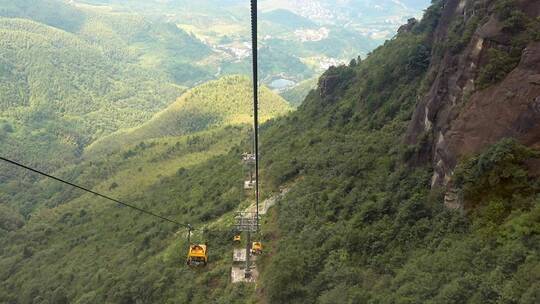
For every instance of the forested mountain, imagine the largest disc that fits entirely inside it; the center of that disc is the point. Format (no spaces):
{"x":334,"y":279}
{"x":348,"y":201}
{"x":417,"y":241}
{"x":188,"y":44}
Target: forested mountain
{"x":412,"y":177}
{"x":122,"y":36}
{"x":442,"y":208}
{"x":227,"y":101}
{"x":50,"y":12}
{"x":72,"y":74}
{"x":59,"y":93}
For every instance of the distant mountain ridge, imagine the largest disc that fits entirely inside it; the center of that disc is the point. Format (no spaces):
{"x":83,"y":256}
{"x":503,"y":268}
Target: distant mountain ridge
{"x":288,"y":19}
{"x":309,"y":36}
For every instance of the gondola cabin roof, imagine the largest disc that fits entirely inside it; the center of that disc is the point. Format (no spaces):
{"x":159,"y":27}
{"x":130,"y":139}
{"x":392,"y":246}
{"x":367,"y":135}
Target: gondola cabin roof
{"x":197,"y":250}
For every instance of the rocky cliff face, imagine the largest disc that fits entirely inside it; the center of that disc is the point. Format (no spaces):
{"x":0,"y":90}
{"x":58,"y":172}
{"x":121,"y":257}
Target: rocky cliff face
{"x":459,"y":116}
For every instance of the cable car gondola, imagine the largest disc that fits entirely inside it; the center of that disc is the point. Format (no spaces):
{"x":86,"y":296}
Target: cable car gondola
{"x":197,"y":255}
{"x":256,"y":248}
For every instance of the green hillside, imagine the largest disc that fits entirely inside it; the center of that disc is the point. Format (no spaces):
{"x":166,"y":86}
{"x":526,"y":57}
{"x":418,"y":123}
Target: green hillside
{"x":162,"y":47}
{"x":227,"y":101}
{"x":50,"y":12}
{"x":71,"y":74}
{"x":360,"y":223}
{"x":122,"y":36}
{"x":102,"y":244}
{"x":65,"y":91}
{"x":156,"y":174}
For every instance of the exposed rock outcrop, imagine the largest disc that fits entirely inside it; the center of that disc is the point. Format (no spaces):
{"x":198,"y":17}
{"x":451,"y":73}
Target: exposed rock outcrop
{"x":461,"y":119}
{"x":328,"y":84}
{"x":408,"y":27}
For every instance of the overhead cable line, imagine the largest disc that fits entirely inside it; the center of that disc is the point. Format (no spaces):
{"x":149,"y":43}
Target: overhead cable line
{"x":254,"y":23}
{"x":96,"y":193}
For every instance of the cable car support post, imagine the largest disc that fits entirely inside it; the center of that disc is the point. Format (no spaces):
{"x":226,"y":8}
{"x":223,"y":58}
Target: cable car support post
{"x":247,"y":222}
{"x":254,"y":43}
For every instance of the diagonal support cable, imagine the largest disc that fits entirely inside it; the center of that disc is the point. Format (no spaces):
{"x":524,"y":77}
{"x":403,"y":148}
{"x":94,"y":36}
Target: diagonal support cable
{"x":95,"y":193}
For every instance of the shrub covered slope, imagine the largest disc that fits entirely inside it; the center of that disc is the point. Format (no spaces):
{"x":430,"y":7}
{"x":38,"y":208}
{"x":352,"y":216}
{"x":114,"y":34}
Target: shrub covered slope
{"x":362,"y":224}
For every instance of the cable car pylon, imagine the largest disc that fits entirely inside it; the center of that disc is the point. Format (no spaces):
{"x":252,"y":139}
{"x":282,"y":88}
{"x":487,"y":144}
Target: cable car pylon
{"x":248,"y":222}
{"x":254,"y":47}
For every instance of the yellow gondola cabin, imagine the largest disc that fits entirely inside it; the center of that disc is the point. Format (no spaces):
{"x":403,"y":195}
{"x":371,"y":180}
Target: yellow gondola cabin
{"x":256,"y":248}
{"x":197,"y":255}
